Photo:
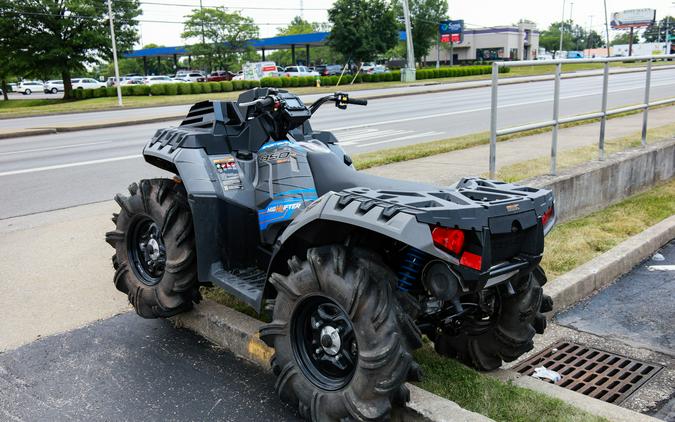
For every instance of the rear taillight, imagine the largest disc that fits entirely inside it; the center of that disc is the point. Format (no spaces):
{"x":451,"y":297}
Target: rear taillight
{"x":471,"y":260}
{"x":547,"y":216}
{"x":451,"y":240}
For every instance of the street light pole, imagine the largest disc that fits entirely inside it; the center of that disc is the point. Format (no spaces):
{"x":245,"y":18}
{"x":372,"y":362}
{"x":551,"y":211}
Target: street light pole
{"x":409,"y":74}
{"x":114,"y":51}
{"x":562,"y":28}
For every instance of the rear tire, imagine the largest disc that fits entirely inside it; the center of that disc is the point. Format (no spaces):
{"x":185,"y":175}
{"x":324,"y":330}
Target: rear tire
{"x":484,"y":345}
{"x":55,"y":91}
{"x":355,"y":290}
{"x":154,"y":245}
{"x":27,"y":92}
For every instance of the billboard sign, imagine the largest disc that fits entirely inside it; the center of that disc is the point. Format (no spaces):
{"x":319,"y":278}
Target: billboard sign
{"x":451,"y":31}
{"x":633,"y":18}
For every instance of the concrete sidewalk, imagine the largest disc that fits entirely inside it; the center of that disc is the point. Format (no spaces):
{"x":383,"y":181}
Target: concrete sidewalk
{"x":446,"y":169}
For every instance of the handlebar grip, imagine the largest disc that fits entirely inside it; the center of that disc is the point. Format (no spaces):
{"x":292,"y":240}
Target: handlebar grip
{"x":357,"y":101}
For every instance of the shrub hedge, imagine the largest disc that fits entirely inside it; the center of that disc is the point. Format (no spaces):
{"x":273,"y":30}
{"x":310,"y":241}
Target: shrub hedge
{"x":283,"y":82}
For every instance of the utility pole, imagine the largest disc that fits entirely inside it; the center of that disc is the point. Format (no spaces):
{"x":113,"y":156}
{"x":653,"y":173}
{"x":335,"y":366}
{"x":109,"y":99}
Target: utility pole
{"x":408,"y":75}
{"x":606,"y":29}
{"x":562,"y":29}
{"x":114,"y":51}
{"x":302,"y":11}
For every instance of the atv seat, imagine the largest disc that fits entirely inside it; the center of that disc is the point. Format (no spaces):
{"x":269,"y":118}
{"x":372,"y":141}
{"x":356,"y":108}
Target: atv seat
{"x":332,"y":174}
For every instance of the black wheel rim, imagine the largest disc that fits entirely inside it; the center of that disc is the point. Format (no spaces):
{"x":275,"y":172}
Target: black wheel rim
{"x":324,"y":342}
{"x":146,"y":250}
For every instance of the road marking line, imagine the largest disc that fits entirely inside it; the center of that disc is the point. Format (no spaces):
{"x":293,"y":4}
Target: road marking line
{"x":452,"y":113}
{"x":55,"y":148}
{"x":402,"y":138}
{"x":62,"y":166}
{"x":380,"y":134}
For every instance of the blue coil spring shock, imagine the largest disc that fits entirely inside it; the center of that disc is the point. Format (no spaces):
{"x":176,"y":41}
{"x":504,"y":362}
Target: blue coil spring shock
{"x":411,"y":266}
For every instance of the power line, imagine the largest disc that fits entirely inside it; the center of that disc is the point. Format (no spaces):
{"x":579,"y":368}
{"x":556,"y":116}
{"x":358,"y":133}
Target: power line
{"x":234,"y":7}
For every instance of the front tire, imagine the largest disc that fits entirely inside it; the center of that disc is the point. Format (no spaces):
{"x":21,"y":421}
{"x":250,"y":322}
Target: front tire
{"x":55,"y":91}
{"x":508,"y":334}
{"x":27,"y":92}
{"x":343,"y":345}
{"x":154,"y":245}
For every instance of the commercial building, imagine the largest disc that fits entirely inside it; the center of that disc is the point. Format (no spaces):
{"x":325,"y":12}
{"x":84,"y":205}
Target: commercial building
{"x":495,"y":43}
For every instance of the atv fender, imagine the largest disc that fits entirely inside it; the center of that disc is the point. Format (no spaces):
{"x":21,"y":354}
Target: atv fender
{"x":378,"y":218}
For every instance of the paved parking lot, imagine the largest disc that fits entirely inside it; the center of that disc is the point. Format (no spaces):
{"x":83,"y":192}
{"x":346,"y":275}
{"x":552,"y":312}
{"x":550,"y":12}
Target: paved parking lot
{"x":129,"y":369}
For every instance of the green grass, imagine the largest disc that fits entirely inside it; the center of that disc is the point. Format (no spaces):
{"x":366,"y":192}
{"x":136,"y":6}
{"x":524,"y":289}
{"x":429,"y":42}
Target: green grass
{"x":490,"y":397}
{"x":576,"y":156}
{"x":578,"y":241}
{"x":19,"y":108}
{"x":426,"y":149}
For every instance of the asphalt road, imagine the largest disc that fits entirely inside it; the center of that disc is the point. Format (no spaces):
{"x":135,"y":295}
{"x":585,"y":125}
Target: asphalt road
{"x":129,"y":369}
{"x":42,"y":173}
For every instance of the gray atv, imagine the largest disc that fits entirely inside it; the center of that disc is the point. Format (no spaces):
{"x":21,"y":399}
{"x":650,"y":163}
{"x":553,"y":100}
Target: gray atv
{"x":354,"y":268}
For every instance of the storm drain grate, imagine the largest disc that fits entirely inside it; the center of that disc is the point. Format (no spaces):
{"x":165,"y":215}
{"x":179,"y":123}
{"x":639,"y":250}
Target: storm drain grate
{"x":593,"y":372}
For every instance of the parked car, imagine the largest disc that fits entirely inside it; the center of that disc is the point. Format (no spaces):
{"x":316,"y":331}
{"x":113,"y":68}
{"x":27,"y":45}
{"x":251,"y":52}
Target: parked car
{"x":367,"y":67}
{"x":180,"y":80}
{"x":191,"y":75}
{"x":86,"y":83}
{"x":156,"y":80}
{"x":378,"y":68}
{"x":53,"y":87}
{"x":575,"y":55}
{"x":132,"y":81}
{"x":220,"y":75}
{"x":299,"y":71}
{"x":28,"y":87}
{"x":328,"y":69}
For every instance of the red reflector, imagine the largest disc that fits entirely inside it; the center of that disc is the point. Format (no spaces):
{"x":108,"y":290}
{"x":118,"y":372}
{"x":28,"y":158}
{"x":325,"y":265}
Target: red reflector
{"x":471,"y":260}
{"x":449,"y":239}
{"x":547,"y":216}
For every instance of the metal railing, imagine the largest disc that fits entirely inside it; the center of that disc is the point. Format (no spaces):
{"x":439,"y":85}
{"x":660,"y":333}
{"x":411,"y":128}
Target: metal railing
{"x":556,"y":120}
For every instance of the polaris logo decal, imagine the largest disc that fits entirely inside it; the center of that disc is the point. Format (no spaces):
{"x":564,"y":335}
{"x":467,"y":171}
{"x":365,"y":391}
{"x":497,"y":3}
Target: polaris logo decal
{"x":512,"y":207}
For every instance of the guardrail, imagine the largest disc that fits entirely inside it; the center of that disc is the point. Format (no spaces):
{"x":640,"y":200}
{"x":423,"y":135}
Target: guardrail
{"x":556,"y":121}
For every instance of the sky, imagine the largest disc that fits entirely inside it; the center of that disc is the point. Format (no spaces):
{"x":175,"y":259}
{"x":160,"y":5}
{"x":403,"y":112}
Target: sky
{"x":272,"y":14}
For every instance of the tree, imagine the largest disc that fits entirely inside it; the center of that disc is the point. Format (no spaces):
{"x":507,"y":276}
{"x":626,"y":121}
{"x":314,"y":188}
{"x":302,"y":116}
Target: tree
{"x":362,"y":29}
{"x":575,"y":37}
{"x":318,"y":54}
{"x":425,"y":15}
{"x":64,"y":35}
{"x":224,"y":36}
{"x":657,"y":32}
{"x":624,"y":38}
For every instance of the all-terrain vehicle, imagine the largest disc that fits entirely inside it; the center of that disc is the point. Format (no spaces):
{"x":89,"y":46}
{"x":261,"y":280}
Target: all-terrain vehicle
{"x":354,"y":268}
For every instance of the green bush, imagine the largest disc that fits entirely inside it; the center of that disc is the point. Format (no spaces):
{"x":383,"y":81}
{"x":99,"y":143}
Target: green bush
{"x":87,"y":93}
{"x":111,"y":91}
{"x":77,"y":94}
{"x":157,"y":89}
{"x":271,"y":82}
{"x":387,"y":77}
{"x":171,"y":89}
{"x":127,"y":90}
{"x":206,"y":88}
{"x":140,"y":90}
{"x":285,"y":81}
{"x":215,"y":86}
{"x":183,"y":88}
{"x":295,"y":81}
{"x":307,"y":81}
{"x":99,"y":92}
{"x":195,"y":88}
{"x":237,"y":85}
{"x":226,"y":86}
{"x":396,"y":75}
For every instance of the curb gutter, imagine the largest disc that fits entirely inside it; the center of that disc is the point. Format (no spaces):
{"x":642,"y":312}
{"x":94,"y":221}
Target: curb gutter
{"x":597,"y":273}
{"x":593,"y":406}
{"x":374,"y":96}
{"x":238,"y":333}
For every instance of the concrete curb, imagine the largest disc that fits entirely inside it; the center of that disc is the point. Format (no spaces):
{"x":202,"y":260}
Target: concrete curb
{"x":478,"y":84}
{"x":589,"y":404}
{"x":238,"y":333}
{"x":582,"y":281}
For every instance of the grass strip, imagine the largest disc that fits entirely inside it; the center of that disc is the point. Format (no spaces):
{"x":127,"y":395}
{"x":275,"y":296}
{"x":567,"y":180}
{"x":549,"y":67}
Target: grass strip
{"x":33,"y":107}
{"x":426,"y":149}
{"x":569,"y":245}
{"x":570,"y":158}
{"x":576,"y":242}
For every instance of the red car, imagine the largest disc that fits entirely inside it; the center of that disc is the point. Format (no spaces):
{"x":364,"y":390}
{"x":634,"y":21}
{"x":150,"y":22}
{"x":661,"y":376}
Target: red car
{"x":220,"y":75}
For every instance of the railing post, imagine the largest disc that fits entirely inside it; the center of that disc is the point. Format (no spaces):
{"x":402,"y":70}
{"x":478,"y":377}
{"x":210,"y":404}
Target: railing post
{"x":493,"y":120}
{"x":556,"y":114}
{"x":645,"y":112}
{"x":603,"y":119}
